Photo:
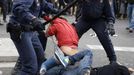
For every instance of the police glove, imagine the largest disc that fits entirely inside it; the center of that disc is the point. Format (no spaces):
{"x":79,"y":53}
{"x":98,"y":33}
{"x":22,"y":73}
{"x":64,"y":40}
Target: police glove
{"x":55,"y":11}
{"x":110,"y":28}
{"x":38,"y":25}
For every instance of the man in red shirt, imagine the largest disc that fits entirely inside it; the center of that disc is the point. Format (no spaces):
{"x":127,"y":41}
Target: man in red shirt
{"x":65,"y":34}
{"x":68,"y":40}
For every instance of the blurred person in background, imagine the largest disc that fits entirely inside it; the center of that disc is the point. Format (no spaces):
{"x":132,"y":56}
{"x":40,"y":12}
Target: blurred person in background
{"x":4,"y":9}
{"x":122,"y":11}
{"x":130,"y":11}
{"x":10,"y":3}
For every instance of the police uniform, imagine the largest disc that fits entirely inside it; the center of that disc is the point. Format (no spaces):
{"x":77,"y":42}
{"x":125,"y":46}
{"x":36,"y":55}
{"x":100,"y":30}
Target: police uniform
{"x":24,"y":33}
{"x":96,"y":14}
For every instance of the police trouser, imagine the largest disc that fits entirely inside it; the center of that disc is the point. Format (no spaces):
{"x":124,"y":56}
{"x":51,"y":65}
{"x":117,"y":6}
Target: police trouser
{"x":99,"y":26}
{"x":30,"y":51}
{"x":43,"y":39}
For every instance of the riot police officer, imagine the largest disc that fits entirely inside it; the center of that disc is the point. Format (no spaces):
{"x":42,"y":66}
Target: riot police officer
{"x":23,"y":27}
{"x":96,"y":14}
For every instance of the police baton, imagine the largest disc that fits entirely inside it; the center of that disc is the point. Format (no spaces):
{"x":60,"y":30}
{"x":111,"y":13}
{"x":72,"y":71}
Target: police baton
{"x":65,"y":9}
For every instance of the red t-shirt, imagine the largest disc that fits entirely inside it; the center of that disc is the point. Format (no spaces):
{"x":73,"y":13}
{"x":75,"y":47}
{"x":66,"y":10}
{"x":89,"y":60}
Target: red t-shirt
{"x":64,"y":32}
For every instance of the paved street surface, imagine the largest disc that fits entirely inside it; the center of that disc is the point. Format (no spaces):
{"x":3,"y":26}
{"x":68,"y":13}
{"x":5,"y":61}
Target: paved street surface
{"x":123,"y":44}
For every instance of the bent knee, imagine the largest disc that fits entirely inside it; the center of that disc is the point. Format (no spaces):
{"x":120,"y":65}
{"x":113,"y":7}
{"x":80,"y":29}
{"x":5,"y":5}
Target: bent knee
{"x":88,"y":52}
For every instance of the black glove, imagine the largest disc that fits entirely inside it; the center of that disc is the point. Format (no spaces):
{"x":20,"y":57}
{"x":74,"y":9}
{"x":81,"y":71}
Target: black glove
{"x":38,"y":25}
{"x":44,"y":14}
{"x":110,"y":28}
{"x":55,"y":11}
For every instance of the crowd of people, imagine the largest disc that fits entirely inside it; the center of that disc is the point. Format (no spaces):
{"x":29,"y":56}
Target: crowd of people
{"x":27,"y":33}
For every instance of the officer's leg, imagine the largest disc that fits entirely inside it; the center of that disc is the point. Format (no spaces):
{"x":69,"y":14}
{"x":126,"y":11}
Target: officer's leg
{"x":100,"y":30}
{"x":81,"y":27}
{"x":43,"y":39}
{"x":27,"y":54}
{"x":38,"y":49}
{"x":17,"y":67}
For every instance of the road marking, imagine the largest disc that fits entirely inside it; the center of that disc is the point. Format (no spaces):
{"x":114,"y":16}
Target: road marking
{"x":99,"y":47}
{"x":94,"y":35}
{"x":6,"y":44}
{"x":0,"y":72}
{"x":0,"y":42}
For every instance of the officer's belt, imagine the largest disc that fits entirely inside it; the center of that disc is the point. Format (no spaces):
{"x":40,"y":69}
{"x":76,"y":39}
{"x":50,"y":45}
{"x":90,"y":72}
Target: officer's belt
{"x":27,"y":28}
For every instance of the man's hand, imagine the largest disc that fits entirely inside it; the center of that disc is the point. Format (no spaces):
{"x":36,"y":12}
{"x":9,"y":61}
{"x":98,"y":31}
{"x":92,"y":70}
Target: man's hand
{"x":38,"y":25}
{"x":110,"y":28}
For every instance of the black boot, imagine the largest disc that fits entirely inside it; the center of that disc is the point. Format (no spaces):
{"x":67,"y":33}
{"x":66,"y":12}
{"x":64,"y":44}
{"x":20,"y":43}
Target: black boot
{"x":16,"y":68}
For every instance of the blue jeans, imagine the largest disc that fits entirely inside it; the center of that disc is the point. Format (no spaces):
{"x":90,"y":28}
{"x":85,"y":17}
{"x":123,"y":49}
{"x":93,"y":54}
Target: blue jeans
{"x":131,"y":15}
{"x":30,"y":51}
{"x":85,"y":58}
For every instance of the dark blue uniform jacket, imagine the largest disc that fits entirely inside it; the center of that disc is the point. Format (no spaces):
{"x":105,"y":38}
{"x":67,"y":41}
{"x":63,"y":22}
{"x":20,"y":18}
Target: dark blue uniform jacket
{"x":95,"y":9}
{"x":25,"y":10}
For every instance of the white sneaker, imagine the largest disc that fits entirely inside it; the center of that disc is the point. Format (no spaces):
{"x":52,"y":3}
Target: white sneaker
{"x":42,"y":71}
{"x":85,"y":72}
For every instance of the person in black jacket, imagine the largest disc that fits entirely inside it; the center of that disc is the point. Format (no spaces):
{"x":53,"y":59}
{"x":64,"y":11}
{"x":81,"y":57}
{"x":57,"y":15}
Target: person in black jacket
{"x":96,"y":14}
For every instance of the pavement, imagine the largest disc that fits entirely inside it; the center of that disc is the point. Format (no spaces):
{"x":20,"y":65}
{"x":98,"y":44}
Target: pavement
{"x":123,"y":44}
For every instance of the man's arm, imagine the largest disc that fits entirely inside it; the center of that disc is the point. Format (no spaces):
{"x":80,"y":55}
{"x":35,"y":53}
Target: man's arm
{"x":51,"y":30}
